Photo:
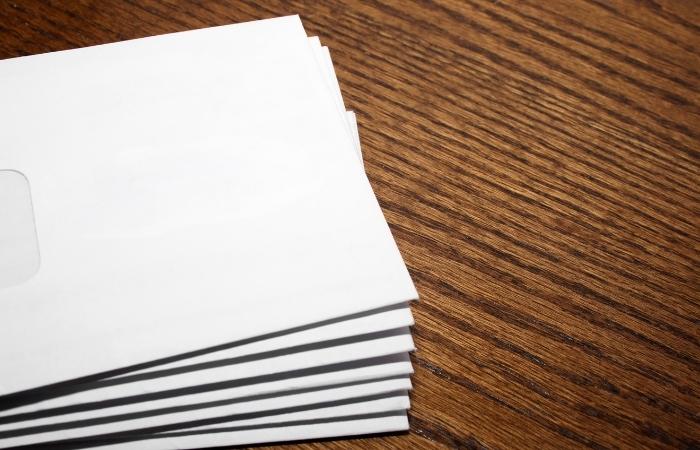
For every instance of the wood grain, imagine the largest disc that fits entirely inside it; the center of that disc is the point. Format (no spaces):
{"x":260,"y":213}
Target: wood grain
{"x":538,"y":165}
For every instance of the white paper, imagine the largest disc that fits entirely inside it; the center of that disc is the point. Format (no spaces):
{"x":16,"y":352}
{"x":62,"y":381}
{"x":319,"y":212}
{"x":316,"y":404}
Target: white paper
{"x":170,"y":194}
{"x":325,"y":66}
{"x":322,"y":427}
{"x":388,"y":317}
{"x":392,"y":317}
{"x":189,"y":412}
{"x":267,"y":345}
{"x":346,"y":407}
{"x":375,"y":323}
{"x":385,"y":318}
{"x":393,"y":342}
{"x":386,"y":367}
{"x":325,"y":63}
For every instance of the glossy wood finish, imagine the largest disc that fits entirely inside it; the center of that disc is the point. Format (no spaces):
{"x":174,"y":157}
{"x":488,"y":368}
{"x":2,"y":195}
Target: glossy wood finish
{"x":538,"y":164}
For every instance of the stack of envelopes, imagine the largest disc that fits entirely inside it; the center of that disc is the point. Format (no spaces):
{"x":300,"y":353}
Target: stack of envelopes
{"x":190,"y":252}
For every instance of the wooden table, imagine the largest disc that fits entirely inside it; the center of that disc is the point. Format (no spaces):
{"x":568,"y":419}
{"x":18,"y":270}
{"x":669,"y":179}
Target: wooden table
{"x":538,"y":164}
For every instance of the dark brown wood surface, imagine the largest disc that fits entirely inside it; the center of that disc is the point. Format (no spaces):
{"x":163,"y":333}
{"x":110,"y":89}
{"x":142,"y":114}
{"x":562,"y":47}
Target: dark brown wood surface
{"x":538,"y":164}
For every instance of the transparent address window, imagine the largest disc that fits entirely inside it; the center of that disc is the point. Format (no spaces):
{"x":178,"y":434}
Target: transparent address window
{"x":19,"y":250}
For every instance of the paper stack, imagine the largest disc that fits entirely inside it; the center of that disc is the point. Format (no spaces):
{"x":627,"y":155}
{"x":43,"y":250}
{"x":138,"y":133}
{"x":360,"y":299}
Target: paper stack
{"x":190,"y":252}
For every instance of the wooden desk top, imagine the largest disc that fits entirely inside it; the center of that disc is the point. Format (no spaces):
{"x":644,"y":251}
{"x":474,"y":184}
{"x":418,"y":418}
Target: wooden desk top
{"x":538,"y":164}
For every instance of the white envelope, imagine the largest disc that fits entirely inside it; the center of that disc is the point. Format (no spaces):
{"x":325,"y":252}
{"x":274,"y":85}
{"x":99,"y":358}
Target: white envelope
{"x":358,"y":373}
{"x":378,"y":416}
{"x":233,"y":213}
{"x":388,"y":343}
{"x":321,"y":333}
{"x":325,"y":65}
{"x":186,"y":414}
{"x":388,"y":403}
{"x":385,"y":318}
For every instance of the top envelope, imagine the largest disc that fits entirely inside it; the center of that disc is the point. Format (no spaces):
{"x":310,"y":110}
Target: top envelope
{"x":167,"y":194}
